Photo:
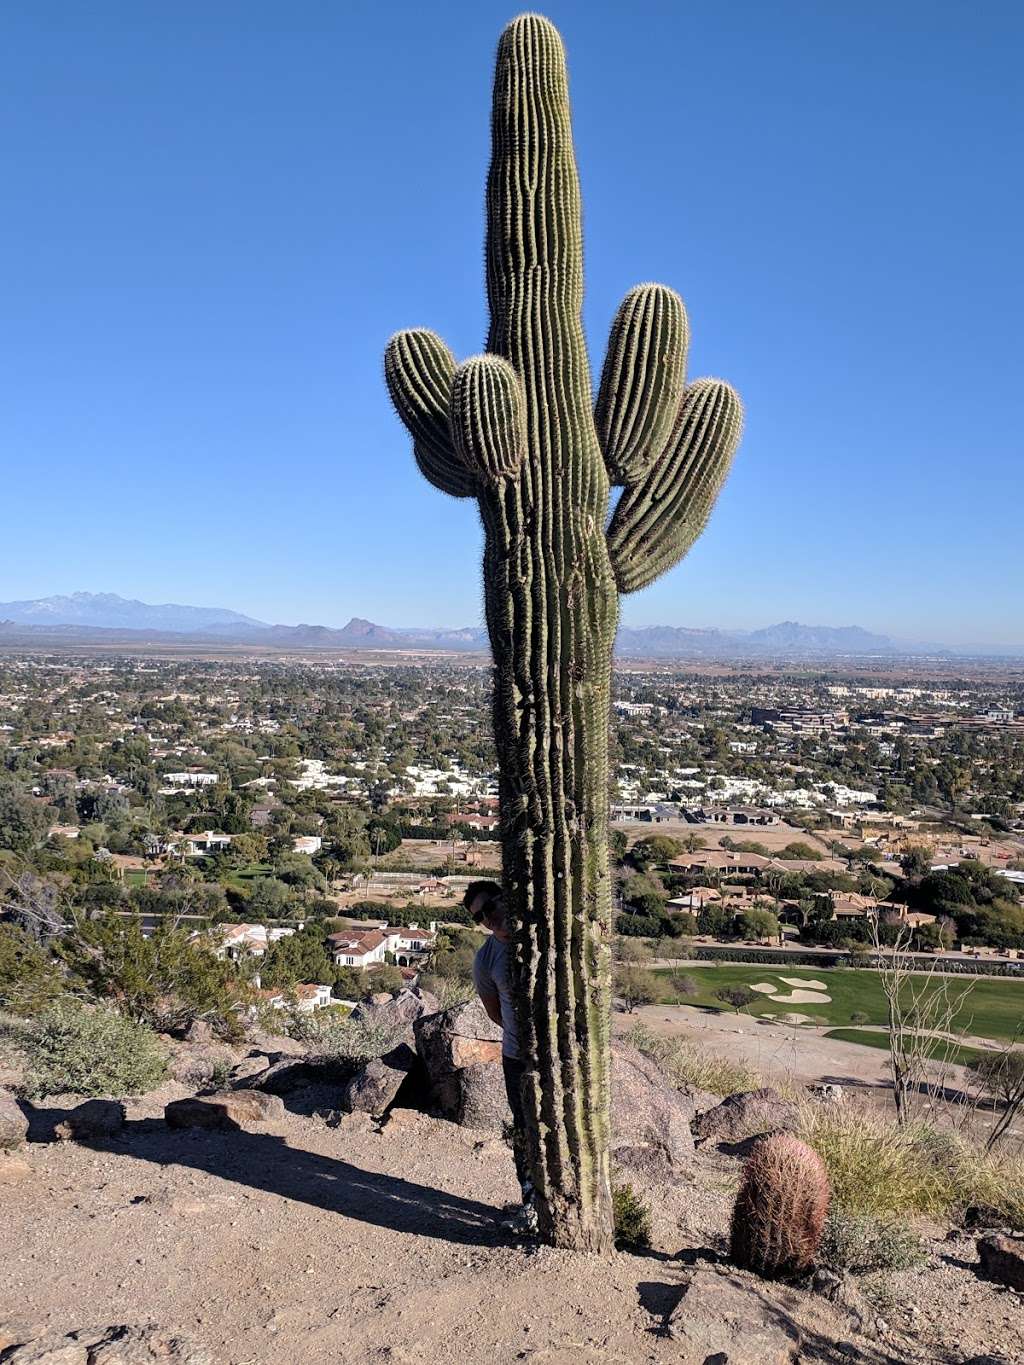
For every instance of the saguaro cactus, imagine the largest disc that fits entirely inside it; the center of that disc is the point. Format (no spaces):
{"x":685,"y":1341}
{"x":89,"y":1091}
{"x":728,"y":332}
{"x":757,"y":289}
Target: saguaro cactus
{"x":516,"y":429}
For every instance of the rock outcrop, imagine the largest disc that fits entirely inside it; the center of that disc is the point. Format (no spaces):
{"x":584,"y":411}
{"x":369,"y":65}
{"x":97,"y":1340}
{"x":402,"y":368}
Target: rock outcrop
{"x":461,"y":1051}
{"x":650,"y":1118}
{"x":373,"y":1089}
{"x":109,"y":1346}
{"x":13,"y":1123}
{"x":723,"y":1318}
{"x":744,"y":1115}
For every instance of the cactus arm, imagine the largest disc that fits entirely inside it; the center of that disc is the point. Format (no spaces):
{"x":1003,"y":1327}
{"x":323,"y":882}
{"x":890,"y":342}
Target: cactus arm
{"x":642,"y":381}
{"x":657,"y":520}
{"x":418,"y":369}
{"x":487,"y":417}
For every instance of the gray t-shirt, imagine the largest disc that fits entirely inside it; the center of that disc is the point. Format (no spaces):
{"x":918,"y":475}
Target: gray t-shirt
{"x":492,"y":975}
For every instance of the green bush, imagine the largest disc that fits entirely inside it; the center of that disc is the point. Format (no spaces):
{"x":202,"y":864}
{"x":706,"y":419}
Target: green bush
{"x":71,"y":1048}
{"x":863,"y":1244}
{"x":632,"y":1217}
{"x":30,"y":980}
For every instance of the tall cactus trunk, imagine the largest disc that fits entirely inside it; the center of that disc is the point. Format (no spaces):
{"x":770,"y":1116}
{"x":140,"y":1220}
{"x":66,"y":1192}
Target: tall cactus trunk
{"x":552,"y":609}
{"x":516,"y":428}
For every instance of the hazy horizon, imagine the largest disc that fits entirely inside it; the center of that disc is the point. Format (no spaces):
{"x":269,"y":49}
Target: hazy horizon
{"x":216,"y":215}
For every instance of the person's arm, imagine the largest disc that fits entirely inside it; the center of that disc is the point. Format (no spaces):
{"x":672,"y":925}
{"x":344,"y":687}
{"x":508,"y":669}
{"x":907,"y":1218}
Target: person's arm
{"x":491,"y":1002}
{"x":487,"y":991}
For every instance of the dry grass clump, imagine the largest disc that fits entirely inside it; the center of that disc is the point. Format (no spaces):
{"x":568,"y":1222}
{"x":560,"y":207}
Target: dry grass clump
{"x":880,"y":1169}
{"x":685,"y":1064}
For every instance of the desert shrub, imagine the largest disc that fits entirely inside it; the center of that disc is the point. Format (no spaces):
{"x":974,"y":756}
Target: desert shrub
{"x":686,"y":1065}
{"x":863,"y":1244}
{"x":166,"y":980}
{"x":29,"y":977}
{"x":449,"y":991}
{"x":337,"y":1038}
{"x":881,"y":1169}
{"x":89,"y":1051}
{"x":739,"y":997}
{"x":634,"y":986}
{"x":632,"y":1217}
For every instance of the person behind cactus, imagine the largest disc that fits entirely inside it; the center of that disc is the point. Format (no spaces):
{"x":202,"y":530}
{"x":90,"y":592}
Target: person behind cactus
{"x":492,"y":976}
{"x":518,"y":431}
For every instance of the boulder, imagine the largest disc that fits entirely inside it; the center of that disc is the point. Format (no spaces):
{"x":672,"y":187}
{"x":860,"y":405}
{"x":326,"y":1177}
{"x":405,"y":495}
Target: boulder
{"x":650,"y":1118}
{"x":93,"y":1121}
{"x":455,"y":1038}
{"x":225,"y":1109}
{"x":110,"y":1346}
{"x":724,"y":1319}
{"x":745,"y":1114}
{"x":1002,"y":1259}
{"x":375,"y":1087}
{"x":461,"y":1052}
{"x":282,"y":1077}
{"x":13,"y":1122}
{"x":396,"y":1014}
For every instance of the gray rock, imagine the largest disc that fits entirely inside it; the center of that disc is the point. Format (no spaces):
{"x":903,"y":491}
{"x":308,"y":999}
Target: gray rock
{"x":13,"y":1122}
{"x":482,"y":1102}
{"x":724,"y":1319}
{"x":1002,"y":1259}
{"x":93,"y":1121}
{"x":745,"y":1114}
{"x":109,"y":1346}
{"x":375,"y":1087}
{"x":281,"y":1078}
{"x":225,"y":1109}
{"x":650,"y":1118}
{"x":461,"y":1052}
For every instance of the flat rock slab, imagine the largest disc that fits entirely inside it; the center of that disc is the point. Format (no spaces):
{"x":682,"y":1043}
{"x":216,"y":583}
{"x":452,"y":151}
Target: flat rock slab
{"x":225,"y":1109}
{"x":109,"y":1346}
{"x":722,"y":1318}
{"x":1002,"y":1259}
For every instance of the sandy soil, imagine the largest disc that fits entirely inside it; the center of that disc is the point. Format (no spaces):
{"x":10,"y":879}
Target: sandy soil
{"x":315,"y":1243}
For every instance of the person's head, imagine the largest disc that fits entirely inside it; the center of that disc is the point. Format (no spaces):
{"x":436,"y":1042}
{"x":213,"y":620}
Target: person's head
{"x":484,"y":902}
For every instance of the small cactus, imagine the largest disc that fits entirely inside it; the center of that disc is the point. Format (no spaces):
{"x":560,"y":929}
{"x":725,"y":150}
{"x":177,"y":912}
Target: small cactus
{"x":779,"y":1216}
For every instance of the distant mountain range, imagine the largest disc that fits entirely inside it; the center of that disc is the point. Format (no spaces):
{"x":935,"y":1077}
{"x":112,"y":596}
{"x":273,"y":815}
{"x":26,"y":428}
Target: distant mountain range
{"x":105,"y":617}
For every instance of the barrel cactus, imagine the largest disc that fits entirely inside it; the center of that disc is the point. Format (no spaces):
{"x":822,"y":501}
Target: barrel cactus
{"x":779,"y":1216}
{"x":517,"y":429}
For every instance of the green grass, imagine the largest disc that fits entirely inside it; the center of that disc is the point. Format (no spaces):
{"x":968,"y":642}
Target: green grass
{"x":959,"y":1054}
{"x":136,"y":877}
{"x":249,"y":873}
{"x":993,"y":1009}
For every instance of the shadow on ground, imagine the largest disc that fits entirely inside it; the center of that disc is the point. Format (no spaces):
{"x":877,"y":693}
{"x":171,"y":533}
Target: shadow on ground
{"x":263,"y":1161}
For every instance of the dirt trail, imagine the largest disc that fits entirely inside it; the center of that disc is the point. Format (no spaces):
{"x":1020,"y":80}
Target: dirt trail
{"x":314,"y":1243}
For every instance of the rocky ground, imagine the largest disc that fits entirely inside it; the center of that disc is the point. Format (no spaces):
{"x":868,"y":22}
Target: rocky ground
{"x":284,"y":1230}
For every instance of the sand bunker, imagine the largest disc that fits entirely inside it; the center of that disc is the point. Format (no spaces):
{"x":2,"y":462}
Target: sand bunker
{"x":765,"y":988}
{"x":801,"y":981}
{"x":793,"y":1017}
{"x":803,"y":998}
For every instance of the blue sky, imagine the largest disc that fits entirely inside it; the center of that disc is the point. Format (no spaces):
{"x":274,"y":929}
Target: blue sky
{"x":216,"y":214}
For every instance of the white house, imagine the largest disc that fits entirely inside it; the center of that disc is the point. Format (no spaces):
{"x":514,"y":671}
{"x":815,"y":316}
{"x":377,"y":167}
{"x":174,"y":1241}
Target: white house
{"x":307,"y":843}
{"x":246,"y":940}
{"x":191,"y":779}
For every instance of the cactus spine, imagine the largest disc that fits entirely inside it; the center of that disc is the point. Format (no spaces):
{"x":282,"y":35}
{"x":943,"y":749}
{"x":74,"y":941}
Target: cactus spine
{"x":779,"y":1215}
{"x":516,"y":428}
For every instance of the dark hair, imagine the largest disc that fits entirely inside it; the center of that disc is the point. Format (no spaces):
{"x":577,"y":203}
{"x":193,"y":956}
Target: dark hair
{"x":488,"y":888}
